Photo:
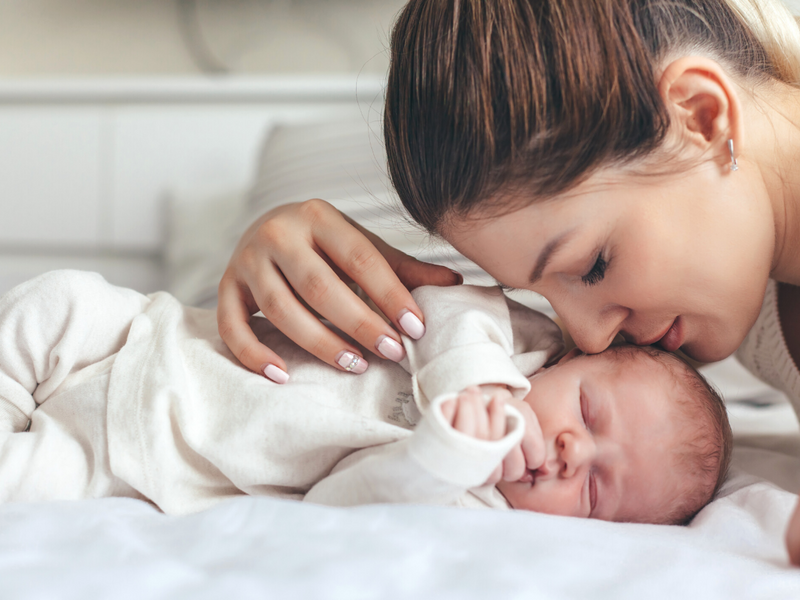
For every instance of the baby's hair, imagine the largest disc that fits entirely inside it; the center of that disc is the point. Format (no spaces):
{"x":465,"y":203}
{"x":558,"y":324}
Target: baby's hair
{"x":494,"y":104}
{"x":705,"y":453}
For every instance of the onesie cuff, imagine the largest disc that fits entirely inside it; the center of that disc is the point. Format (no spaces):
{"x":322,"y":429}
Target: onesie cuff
{"x":456,"y":458}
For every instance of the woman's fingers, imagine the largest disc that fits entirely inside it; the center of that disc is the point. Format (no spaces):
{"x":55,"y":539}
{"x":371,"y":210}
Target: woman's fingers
{"x":353,"y":252}
{"x":297,"y":252}
{"x":256,"y":280}
{"x":233,"y":319}
{"x":315,"y":281}
{"x":277,"y":301}
{"x":412,"y":272}
{"x":377,"y":268}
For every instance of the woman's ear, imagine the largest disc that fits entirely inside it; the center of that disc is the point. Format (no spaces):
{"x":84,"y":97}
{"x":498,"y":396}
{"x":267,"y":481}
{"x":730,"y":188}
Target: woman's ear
{"x":704,"y":106}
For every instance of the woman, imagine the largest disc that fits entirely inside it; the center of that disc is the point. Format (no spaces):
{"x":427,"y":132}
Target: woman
{"x":637,"y":162}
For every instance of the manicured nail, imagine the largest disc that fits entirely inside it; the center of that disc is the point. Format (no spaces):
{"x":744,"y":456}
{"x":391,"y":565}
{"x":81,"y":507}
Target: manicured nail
{"x":351,"y":362}
{"x":411,"y":325}
{"x":275,"y":374}
{"x":390,"y":348}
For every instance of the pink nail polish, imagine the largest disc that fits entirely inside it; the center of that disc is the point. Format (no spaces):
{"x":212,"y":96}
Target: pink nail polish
{"x":390,"y":348}
{"x":411,"y":325}
{"x":351,"y":362}
{"x":275,"y":374}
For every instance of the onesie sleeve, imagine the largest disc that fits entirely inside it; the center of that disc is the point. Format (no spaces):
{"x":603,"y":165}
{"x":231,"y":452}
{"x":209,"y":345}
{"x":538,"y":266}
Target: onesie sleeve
{"x":475,"y":336}
{"x":435,"y":465}
{"x":52,"y":326}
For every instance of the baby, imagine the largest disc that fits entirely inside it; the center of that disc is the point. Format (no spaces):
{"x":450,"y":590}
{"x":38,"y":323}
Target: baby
{"x":106,"y":392}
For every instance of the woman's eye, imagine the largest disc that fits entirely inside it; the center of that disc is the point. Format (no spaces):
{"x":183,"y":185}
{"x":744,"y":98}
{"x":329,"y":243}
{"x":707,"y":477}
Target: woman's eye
{"x":597,"y":272}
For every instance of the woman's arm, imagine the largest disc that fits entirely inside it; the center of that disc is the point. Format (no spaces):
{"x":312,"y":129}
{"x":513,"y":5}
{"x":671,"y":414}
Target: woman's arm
{"x":310,"y":251}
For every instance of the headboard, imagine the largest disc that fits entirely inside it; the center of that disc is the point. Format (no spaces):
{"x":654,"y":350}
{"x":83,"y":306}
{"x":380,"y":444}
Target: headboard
{"x":85,"y":165}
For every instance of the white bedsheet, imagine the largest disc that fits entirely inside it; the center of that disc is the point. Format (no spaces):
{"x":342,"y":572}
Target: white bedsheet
{"x":265,"y":548}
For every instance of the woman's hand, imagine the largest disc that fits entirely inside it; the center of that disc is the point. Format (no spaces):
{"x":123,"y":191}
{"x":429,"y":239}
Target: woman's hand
{"x":310,"y":251}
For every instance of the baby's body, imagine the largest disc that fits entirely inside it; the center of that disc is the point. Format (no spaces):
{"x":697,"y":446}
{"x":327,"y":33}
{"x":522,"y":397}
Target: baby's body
{"x":127,"y":395}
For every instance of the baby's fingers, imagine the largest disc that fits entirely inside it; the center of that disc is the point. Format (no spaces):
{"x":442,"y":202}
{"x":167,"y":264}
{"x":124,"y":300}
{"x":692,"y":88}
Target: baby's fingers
{"x":496,"y":475}
{"x":448,"y":409}
{"x":514,"y":465}
{"x":532,"y":444}
{"x":497,"y":418}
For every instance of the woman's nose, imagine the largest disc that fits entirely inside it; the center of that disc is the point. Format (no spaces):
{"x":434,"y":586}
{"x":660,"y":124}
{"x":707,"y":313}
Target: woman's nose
{"x":574,"y":452}
{"x":593,"y":332}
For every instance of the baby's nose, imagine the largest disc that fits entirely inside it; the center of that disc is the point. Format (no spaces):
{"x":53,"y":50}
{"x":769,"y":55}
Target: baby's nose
{"x":574,"y":451}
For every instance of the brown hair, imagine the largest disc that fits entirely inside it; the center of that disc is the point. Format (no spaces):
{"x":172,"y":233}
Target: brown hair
{"x":487,"y":97}
{"x":704,"y":456}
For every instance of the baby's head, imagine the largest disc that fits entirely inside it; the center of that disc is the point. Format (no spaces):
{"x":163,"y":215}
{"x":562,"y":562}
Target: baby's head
{"x":632,"y":434}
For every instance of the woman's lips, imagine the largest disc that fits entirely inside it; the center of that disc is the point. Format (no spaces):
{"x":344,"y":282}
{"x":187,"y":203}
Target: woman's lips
{"x":673,"y":339}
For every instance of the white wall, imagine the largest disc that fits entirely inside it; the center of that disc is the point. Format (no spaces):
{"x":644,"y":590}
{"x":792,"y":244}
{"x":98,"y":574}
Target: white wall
{"x":143,"y":37}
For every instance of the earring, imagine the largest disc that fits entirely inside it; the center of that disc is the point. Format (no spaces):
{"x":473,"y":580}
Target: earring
{"x":734,"y":164}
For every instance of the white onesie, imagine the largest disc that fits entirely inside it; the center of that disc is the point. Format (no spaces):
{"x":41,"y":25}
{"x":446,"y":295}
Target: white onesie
{"x":132,"y":395}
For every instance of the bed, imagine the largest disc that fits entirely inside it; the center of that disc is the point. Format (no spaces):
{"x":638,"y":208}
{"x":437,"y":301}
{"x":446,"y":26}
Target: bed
{"x":150,"y":183}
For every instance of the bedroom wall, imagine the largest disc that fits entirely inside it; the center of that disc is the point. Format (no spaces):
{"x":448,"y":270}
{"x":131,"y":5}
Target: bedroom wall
{"x":149,"y":37}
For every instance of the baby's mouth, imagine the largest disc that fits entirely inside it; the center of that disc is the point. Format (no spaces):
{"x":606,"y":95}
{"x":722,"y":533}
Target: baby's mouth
{"x":529,"y":476}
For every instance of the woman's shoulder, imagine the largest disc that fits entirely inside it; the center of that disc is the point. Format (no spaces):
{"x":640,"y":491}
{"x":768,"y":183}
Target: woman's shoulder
{"x":764,"y":351}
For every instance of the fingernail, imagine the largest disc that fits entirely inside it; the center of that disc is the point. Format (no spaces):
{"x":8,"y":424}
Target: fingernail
{"x":390,"y":348}
{"x":351,"y":362}
{"x":411,"y":325}
{"x":275,"y":374}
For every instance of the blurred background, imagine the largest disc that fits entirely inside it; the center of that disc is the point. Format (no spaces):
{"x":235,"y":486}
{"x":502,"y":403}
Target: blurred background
{"x":139,"y":138}
{"x":131,"y":131}
{"x":188,"y":37}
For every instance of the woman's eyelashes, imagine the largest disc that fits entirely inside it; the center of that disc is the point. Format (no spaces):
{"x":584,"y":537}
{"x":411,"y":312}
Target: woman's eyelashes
{"x":597,"y":272}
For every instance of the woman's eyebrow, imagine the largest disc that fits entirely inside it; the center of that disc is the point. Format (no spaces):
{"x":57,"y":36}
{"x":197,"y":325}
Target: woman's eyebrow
{"x":547,"y":254}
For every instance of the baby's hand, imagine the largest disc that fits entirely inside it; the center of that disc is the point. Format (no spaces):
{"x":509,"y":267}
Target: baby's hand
{"x":530,"y":454}
{"x":470,"y":415}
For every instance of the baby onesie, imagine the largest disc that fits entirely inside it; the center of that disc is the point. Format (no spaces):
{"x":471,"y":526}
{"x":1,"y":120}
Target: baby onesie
{"x":131,"y":395}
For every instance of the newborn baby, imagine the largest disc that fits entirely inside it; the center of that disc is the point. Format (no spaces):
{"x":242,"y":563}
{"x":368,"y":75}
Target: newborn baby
{"x":106,"y":392}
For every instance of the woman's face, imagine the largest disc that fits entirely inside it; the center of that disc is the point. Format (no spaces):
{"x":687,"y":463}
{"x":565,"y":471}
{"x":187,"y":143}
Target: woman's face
{"x":681,"y":261}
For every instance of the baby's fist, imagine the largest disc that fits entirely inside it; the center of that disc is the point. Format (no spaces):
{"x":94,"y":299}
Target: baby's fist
{"x":470,"y":415}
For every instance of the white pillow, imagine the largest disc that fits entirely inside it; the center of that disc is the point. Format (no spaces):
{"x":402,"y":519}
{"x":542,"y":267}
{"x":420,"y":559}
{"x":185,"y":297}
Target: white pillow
{"x":201,"y":235}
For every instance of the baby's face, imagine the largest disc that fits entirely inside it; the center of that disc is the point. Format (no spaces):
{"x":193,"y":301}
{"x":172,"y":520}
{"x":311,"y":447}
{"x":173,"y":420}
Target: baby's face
{"x":609,"y":425}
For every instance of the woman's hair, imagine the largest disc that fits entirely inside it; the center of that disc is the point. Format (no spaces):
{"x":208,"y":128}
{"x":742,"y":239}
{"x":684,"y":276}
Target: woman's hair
{"x":487,"y":98}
